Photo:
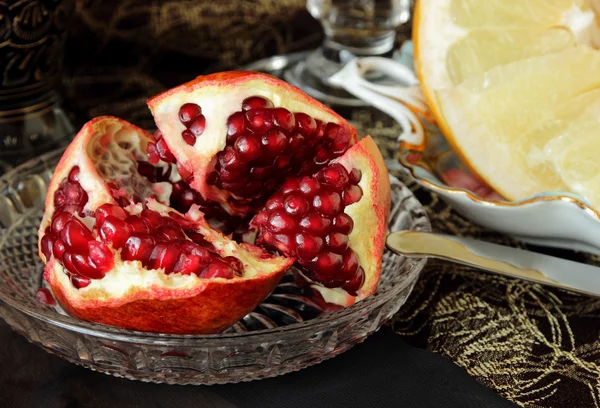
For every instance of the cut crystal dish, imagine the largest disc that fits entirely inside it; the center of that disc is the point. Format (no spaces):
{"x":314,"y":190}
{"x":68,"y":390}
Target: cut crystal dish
{"x":287,"y":332}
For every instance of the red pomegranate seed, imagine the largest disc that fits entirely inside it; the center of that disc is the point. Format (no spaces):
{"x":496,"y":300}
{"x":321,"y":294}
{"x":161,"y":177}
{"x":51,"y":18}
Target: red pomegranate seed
{"x":282,"y":242}
{"x":260,"y":172}
{"x":138,"y":224}
{"x":101,"y":256}
{"x":114,"y":231}
{"x":76,"y":235}
{"x":153,"y":218}
{"x":316,"y":224}
{"x":343,"y":223}
{"x":46,"y":245}
{"x":333,"y":131}
{"x":337,"y":242}
{"x":67,"y":261}
{"x":349,"y":264}
{"x":322,"y":157}
{"x":295,"y":204}
{"x":259,"y":120}
{"x":157,"y":135}
{"x":138,"y":247}
{"x":353,"y":285}
{"x":218,"y":268}
{"x":236,"y":264}
{"x":355,"y":176}
{"x":248,"y":147}
{"x":274,"y":142}
{"x":255,"y":102}
{"x":230,"y":160}
{"x":74,"y":175}
{"x":44,"y":296}
{"x":289,"y":186}
{"x":352,"y":195}
{"x":152,"y":152}
{"x":334,"y":175}
{"x":58,"y":249}
{"x":231,"y":176}
{"x":328,"y":203}
{"x":164,"y":152}
{"x":188,"y":137}
{"x":309,"y":186}
{"x":284,"y":119}
{"x":83,"y":267}
{"x":279,"y":221}
{"x":188,"y":112}
{"x":170,"y":233}
{"x":327,"y":264}
{"x":79,"y":282}
{"x":236,"y":125}
{"x":188,"y":264}
{"x":109,"y":209}
{"x":296,"y":142}
{"x":306,"y":124}
{"x":309,"y":245}
{"x":192,"y":248}
{"x":197,"y":127}
{"x":281,"y":162}
{"x":165,"y":256}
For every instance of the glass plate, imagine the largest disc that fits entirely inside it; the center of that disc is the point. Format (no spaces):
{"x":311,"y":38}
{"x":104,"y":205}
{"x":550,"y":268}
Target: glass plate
{"x":285,"y":333}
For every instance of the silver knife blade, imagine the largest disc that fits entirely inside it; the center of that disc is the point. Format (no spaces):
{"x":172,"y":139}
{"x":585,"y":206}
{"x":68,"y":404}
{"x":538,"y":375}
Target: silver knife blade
{"x":501,"y":259}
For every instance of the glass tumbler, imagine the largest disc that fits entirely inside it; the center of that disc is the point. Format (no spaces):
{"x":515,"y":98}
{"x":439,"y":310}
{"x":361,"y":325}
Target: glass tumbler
{"x":353,"y":28}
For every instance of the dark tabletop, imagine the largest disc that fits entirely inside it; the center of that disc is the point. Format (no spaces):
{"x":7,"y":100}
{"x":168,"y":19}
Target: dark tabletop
{"x":384,"y":371}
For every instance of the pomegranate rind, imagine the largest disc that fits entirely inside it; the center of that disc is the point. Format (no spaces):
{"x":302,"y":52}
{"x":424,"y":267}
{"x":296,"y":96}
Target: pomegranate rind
{"x":76,"y":154}
{"x":219,"y":95}
{"x":371,"y":214}
{"x":136,"y":298}
{"x":204,"y":307}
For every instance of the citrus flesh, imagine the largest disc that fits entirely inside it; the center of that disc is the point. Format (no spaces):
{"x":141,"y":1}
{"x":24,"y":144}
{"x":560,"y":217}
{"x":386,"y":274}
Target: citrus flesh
{"x":515,"y":87}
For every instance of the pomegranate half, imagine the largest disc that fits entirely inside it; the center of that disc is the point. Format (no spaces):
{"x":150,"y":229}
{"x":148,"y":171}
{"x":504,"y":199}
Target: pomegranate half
{"x":117,"y":254}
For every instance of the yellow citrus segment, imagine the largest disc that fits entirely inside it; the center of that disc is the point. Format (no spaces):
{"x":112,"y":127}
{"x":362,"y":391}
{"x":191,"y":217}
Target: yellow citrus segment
{"x":502,"y":13}
{"x":494,"y":116}
{"x":515,"y":87}
{"x":485,"y":48}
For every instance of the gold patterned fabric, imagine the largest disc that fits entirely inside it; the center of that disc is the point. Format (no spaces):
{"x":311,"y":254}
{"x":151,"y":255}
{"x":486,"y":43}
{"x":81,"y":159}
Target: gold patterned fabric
{"x":536,"y":346}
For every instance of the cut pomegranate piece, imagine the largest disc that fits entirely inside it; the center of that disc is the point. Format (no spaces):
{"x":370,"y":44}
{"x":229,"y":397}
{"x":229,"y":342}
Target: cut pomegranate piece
{"x":309,"y":219}
{"x":143,"y":266}
{"x":247,"y":134}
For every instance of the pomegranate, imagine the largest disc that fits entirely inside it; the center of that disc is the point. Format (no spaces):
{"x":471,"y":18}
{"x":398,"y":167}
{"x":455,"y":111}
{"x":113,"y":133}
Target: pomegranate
{"x":187,"y":230}
{"x":116,"y":253}
{"x":237,"y":136}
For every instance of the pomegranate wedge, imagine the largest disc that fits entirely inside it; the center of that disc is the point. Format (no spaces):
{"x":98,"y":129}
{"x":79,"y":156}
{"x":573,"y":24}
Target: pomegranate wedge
{"x":116,"y":255}
{"x":237,"y":136}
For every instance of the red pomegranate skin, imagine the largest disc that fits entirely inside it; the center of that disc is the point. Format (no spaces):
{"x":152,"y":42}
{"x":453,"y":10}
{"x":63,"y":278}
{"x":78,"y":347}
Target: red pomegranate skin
{"x":201,"y":309}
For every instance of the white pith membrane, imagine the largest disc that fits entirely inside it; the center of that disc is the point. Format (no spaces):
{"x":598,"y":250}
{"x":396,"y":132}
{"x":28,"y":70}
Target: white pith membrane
{"x":218,"y":103}
{"x":115,"y":149}
{"x":541,"y":42}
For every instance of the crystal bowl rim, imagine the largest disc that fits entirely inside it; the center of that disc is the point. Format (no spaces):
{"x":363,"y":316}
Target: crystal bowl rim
{"x":116,"y":333}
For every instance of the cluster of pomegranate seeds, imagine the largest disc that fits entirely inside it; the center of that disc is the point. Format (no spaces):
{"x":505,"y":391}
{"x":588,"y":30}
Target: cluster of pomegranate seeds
{"x":162,"y":242}
{"x":183,"y":197}
{"x":158,"y":150}
{"x":70,"y":196}
{"x":265,"y":145}
{"x":69,"y":239}
{"x":305,"y":219}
